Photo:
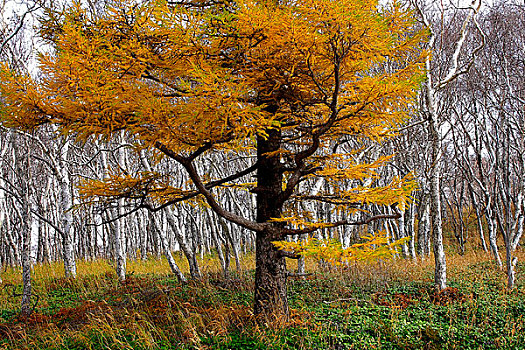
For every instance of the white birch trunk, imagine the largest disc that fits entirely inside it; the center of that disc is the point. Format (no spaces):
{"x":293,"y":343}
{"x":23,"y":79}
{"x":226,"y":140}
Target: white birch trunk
{"x":65,"y":204}
{"x":188,"y":252}
{"x":166,"y":249}
{"x":115,"y":228}
{"x":24,"y":214}
{"x":478,"y":218}
{"x":440,"y":271}
{"x":410,"y":231}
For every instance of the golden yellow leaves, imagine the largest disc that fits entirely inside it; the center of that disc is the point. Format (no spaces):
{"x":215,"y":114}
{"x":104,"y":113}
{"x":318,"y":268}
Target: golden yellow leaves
{"x":339,"y":167}
{"x":397,"y":191}
{"x":24,"y":107}
{"x":302,"y":222}
{"x":373,"y":248}
{"x":189,"y":77}
{"x":150,"y":186}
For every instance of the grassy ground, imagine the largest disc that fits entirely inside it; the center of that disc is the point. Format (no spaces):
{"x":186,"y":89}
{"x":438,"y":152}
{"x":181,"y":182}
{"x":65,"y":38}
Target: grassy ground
{"x":380,"y":306}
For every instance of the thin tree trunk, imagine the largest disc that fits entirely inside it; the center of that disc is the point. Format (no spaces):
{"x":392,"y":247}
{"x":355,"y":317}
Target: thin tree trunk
{"x":478,"y":217}
{"x":195,"y":272}
{"x":116,"y":232}
{"x":410,"y":223}
{"x":218,"y":245}
{"x":15,"y":251}
{"x":423,"y":230}
{"x":65,"y":204}
{"x":188,"y":252}
{"x":24,"y":214}
{"x":440,"y":272}
{"x":120,"y":259}
{"x":301,"y":262}
{"x":229,"y":239}
{"x":166,"y":249}
{"x":26,"y":257}
{"x":491,"y":224}
{"x":401,"y":233}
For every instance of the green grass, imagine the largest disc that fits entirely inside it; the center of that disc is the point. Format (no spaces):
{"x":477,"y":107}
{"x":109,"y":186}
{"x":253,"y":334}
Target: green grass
{"x":387,"y":306}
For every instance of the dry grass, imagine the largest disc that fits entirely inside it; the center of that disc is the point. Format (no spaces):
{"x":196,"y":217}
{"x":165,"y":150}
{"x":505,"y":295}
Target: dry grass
{"x":151,"y":309}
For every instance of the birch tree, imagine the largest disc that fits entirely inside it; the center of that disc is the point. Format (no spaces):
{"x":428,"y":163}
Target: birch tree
{"x":430,"y":108}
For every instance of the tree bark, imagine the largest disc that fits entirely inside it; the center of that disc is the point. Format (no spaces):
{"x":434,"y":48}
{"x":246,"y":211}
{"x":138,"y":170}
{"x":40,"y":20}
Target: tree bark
{"x":218,"y":244}
{"x":193,"y":264}
{"x":270,"y":272}
{"x":478,"y":217}
{"x":25,"y":309}
{"x":65,"y":204}
{"x":24,"y":214}
{"x":234,"y":244}
{"x":402,"y":234}
{"x":410,"y":231}
{"x":166,"y":249}
{"x":440,"y":272}
{"x":491,"y":224}
{"x":423,"y":229}
{"x":116,"y":232}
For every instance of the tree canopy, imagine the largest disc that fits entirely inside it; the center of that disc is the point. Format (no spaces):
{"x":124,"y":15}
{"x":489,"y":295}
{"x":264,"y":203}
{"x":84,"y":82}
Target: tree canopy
{"x":283,"y":83}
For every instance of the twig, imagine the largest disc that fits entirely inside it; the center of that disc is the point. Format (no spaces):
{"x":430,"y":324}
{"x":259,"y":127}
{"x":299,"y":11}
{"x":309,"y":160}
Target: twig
{"x":347,"y":299}
{"x":14,"y":295}
{"x":294,"y":274}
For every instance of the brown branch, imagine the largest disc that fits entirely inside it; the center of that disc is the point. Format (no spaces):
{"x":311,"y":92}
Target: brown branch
{"x":175,"y":156}
{"x":208,"y":186}
{"x":237,"y":219}
{"x":409,"y":126}
{"x":395,"y":215}
{"x":328,"y":199}
{"x":144,"y":205}
{"x":289,"y":255}
{"x":187,"y":163}
{"x":316,"y":136}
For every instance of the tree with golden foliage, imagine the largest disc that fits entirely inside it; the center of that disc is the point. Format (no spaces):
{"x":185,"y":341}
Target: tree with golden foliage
{"x":280,"y":81}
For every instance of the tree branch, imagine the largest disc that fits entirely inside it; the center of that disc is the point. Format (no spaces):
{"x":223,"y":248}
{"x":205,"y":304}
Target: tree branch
{"x":395,"y":215}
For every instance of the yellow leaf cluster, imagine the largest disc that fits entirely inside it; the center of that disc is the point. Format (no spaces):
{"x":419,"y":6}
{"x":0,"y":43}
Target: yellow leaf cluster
{"x":144,"y":185}
{"x":372,"y":248}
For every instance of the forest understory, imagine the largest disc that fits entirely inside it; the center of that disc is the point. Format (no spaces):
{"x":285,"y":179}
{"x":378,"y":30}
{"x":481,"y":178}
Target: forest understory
{"x":372,"y":306}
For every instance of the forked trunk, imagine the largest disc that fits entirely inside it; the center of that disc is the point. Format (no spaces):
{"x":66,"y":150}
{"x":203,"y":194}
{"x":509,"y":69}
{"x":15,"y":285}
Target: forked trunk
{"x":491,"y":225}
{"x":166,"y":249}
{"x":190,"y":255}
{"x":478,"y":217}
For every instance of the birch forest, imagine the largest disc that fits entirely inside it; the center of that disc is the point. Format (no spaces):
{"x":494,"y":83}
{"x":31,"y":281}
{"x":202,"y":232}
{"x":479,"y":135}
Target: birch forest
{"x":274,"y":174}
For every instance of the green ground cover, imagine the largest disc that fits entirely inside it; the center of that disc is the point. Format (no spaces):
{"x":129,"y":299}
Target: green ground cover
{"x":388,"y":306}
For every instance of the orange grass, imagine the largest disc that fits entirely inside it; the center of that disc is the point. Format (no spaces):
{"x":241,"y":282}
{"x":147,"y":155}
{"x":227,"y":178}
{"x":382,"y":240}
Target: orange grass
{"x":151,"y":308}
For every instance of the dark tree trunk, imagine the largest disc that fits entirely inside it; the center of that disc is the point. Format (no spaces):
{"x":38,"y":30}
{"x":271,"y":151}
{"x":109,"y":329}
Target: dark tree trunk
{"x":270,"y":271}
